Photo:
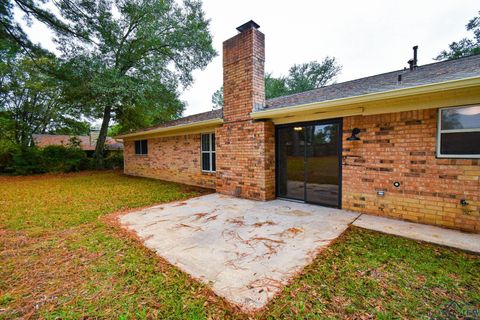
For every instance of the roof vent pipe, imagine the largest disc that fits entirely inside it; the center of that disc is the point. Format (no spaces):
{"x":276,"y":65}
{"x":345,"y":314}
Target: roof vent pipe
{"x":413,"y":63}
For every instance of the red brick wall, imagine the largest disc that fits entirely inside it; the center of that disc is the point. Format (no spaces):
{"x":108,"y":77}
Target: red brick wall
{"x":246,"y":160}
{"x":243,"y":74}
{"x":401,"y":147}
{"x":245,"y":149}
{"x":170,"y":158}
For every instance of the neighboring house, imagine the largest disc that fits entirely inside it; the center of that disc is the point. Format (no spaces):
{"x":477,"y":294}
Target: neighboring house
{"x":87,"y":143}
{"x":403,"y":144}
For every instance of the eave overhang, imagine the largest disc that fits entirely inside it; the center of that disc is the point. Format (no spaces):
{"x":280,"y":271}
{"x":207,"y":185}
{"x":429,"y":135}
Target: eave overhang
{"x":181,"y":129}
{"x":368,"y":103}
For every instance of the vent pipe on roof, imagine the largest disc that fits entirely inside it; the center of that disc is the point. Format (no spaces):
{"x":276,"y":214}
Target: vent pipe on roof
{"x":413,"y":63}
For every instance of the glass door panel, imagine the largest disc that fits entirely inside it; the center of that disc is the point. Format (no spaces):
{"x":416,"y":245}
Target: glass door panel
{"x":291,"y":166}
{"x":322,"y":164}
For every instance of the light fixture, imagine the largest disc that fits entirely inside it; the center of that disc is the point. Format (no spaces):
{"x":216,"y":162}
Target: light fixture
{"x":298,"y":128}
{"x":354,"y":137}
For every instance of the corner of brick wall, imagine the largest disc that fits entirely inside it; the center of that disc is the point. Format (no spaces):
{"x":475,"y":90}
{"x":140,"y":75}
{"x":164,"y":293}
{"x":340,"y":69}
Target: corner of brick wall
{"x":401,"y":147}
{"x":174,"y":159}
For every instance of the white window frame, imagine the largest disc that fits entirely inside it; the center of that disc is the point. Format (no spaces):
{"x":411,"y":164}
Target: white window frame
{"x":211,"y":152}
{"x":440,"y":131}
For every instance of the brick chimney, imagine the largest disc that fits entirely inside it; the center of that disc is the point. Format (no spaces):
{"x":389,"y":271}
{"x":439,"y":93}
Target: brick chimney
{"x":244,"y":73}
{"x":245,"y":148}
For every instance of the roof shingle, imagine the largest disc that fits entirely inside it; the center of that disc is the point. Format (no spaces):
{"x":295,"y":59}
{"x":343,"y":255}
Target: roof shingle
{"x":422,"y":75}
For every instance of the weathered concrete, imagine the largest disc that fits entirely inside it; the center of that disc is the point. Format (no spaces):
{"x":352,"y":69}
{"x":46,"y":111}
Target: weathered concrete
{"x":245,"y":250}
{"x":437,"y":235}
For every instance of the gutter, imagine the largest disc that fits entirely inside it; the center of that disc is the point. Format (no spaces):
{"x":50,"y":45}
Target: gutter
{"x":369,"y":97}
{"x":181,"y":127}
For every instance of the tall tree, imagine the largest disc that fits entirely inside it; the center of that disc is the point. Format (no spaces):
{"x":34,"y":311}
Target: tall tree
{"x":133,"y":57}
{"x":312,"y":75}
{"x":30,"y":100}
{"x":466,"y":46}
{"x":126,"y":59}
{"x":217,"y":99}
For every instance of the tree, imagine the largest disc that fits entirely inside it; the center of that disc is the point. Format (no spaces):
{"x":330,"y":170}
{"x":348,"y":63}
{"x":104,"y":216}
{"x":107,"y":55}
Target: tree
{"x":132,"y":58}
{"x":312,"y":75}
{"x":217,"y":99}
{"x":466,"y":46}
{"x":31,"y":100}
{"x":301,"y":77}
{"x":275,"y":87}
{"x":125,"y":60}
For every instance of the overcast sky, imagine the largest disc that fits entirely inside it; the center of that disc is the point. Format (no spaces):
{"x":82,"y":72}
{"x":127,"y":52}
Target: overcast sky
{"x":366,"y":37}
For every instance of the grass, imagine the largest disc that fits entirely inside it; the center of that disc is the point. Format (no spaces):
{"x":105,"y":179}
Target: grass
{"x":58,"y":260}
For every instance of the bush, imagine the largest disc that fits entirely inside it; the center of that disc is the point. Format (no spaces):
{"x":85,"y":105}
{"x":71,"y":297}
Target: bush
{"x":32,"y":160}
{"x":27,"y":160}
{"x":7,"y":152}
{"x":64,"y":159}
{"x":114,"y":160}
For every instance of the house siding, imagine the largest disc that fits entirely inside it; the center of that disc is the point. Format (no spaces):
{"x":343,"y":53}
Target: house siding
{"x":402,"y":147}
{"x":174,"y":159}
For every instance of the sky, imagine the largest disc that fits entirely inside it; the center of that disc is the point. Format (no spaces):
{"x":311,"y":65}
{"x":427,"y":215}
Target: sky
{"x":366,"y":37}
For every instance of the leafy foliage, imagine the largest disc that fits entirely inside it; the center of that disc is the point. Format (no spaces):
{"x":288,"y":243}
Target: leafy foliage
{"x":64,"y":159}
{"x":120,"y":60}
{"x":275,"y":87}
{"x":300,"y":78}
{"x":311,"y":75}
{"x":31,"y":160}
{"x":114,"y":160}
{"x":27,"y":160}
{"x":130,"y":57}
{"x":31,"y":101}
{"x":466,"y":46}
{"x":217,"y":99}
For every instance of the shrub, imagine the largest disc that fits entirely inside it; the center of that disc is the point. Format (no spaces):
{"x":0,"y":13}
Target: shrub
{"x":114,"y":160}
{"x":7,"y":151}
{"x":27,"y":160}
{"x":32,"y":160}
{"x":64,"y":159}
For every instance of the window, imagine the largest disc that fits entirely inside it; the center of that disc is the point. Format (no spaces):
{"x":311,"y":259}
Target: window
{"x":459,"y":132}
{"x":141,"y":147}
{"x":208,"y":152}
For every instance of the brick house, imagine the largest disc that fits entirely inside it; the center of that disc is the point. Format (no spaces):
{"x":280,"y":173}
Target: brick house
{"x":403,"y":144}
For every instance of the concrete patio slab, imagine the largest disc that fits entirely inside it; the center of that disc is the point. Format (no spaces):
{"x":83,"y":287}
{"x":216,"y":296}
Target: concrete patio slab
{"x":422,"y":232}
{"x":245,"y":250}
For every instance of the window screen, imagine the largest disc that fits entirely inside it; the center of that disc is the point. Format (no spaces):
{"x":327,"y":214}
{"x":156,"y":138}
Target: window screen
{"x":208,"y":152}
{"x":459,"y":132}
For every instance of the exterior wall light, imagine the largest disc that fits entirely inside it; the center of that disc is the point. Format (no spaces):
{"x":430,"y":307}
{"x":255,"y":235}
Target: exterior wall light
{"x":298,"y":128}
{"x":354,"y":137}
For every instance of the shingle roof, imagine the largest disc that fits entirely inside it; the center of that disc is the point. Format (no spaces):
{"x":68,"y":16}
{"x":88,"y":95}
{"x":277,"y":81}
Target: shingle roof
{"x":43,"y":140}
{"x":209,"y":115}
{"x":422,"y":75}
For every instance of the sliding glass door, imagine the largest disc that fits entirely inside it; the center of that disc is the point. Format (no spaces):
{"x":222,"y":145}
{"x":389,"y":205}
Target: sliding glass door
{"x":308,"y":162}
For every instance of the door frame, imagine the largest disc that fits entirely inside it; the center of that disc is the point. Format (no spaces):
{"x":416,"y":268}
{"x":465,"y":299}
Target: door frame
{"x":338,"y":121}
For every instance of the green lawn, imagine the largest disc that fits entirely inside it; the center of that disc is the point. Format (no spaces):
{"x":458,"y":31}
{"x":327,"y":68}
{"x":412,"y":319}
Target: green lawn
{"x":59,"y":260}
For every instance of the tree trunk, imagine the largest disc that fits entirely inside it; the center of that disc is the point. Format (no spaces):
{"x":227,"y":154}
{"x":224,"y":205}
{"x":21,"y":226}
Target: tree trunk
{"x":102,"y":137}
